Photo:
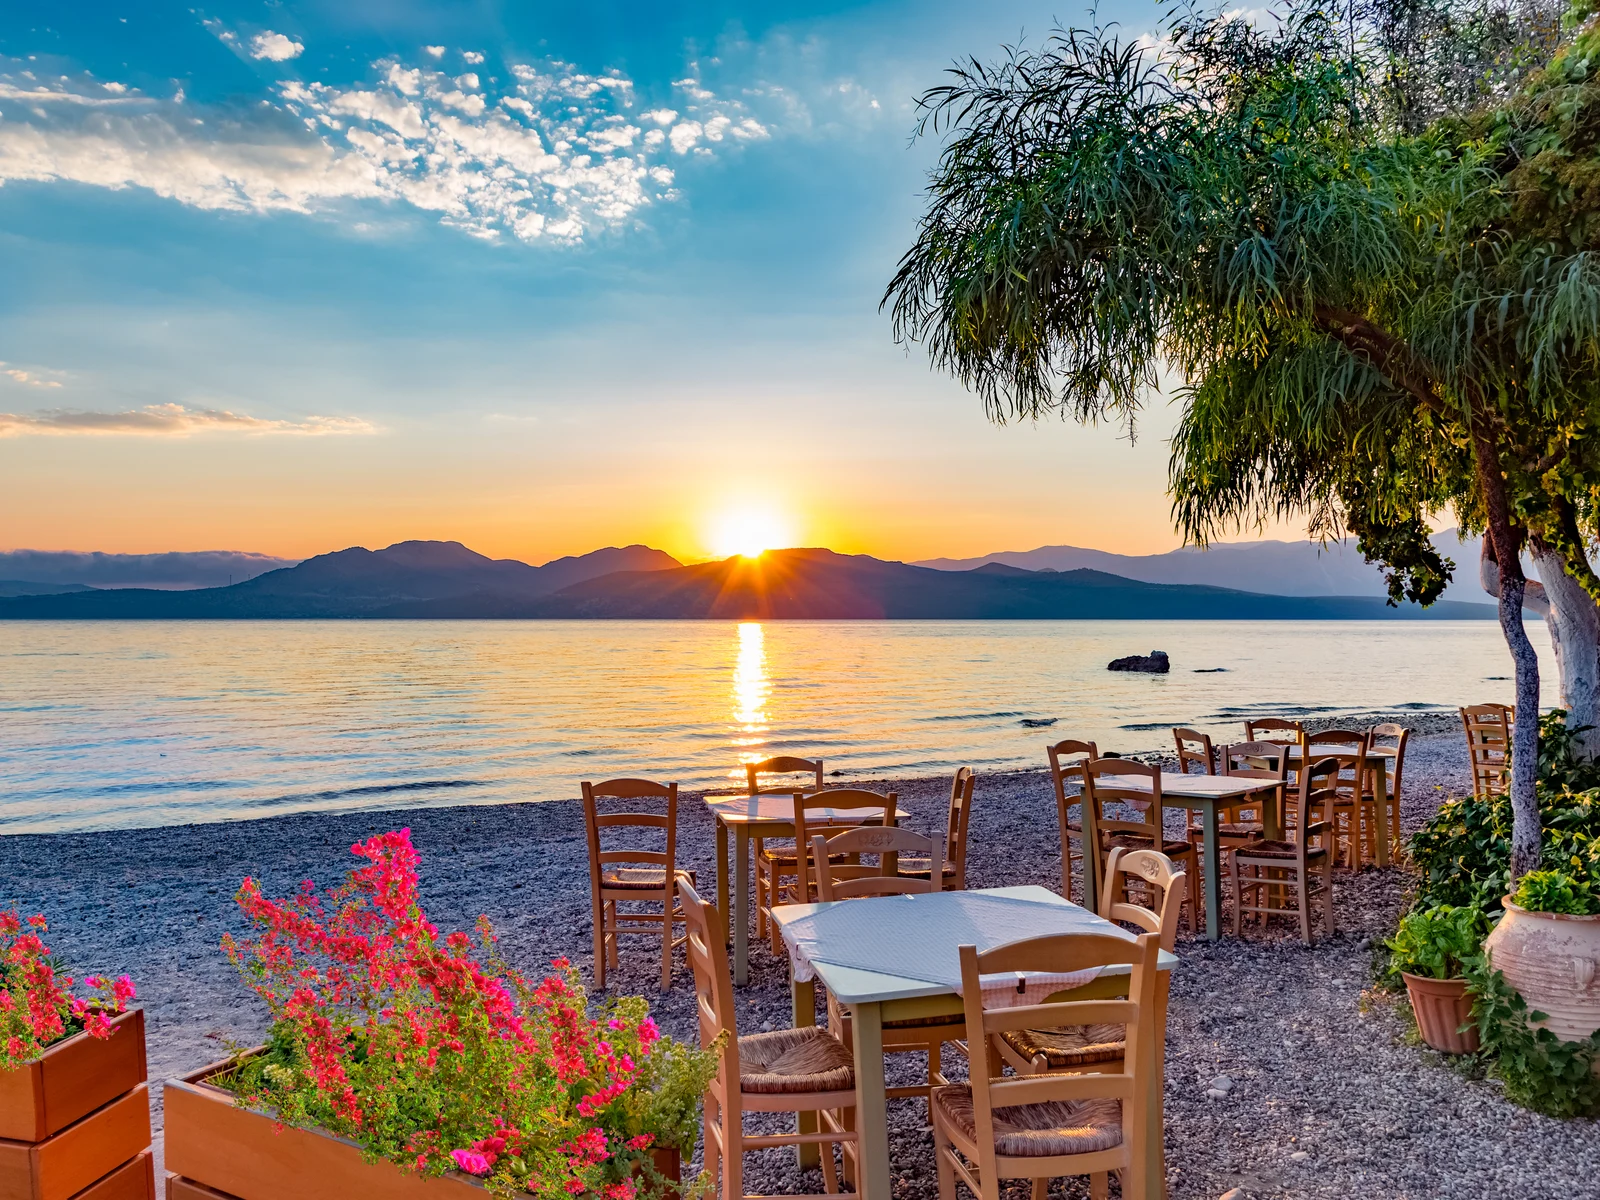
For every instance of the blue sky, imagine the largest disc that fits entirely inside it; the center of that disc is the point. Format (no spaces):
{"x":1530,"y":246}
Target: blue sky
{"x":290,"y":276}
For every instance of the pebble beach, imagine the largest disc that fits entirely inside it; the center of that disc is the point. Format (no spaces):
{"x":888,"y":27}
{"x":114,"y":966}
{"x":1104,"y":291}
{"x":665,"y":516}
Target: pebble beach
{"x":1287,"y":1075}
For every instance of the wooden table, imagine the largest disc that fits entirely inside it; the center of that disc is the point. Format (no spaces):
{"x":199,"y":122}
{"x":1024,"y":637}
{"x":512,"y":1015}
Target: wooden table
{"x":770,"y":815}
{"x":873,"y":997}
{"x":1205,"y":794}
{"x":1378,"y":763}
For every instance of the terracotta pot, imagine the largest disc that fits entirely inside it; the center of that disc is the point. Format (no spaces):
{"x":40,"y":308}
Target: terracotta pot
{"x":1553,"y":959}
{"x":75,"y":1124}
{"x":1442,"y":1007}
{"x":215,"y":1148}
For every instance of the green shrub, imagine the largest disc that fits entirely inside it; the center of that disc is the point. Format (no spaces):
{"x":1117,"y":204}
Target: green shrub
{"x":1435,"y":942}
{"x":1555,"y":891}
{"x":1540,"y":1070}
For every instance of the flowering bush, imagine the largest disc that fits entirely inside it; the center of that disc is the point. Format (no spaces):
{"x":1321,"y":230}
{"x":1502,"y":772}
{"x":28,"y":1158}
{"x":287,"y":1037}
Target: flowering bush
{"x":37,"y":1004}
{"x":391,"y":1035}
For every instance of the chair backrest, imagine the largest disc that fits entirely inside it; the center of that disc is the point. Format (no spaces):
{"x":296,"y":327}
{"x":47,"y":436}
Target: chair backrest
{"x":1256,"y":760}
{"x":884,"y":806}
{"x":1274,"y":729}
{"x":595,"y":822}
{"x":1194,"y":749}
{"x":1352,"y":775}
{"x":713,"y":990}
{"x":1132,"y":1084}
{"x":1158,"y":874}
{"x":1066,"y":764}
{"x":1313,"y":800}
{"x":1488,"y":728}
{"x":843,"y":880}
{"x":1399,"y":735}
{"x":782,"y":765}
{"x":1100,"y":789}
{"x":1339,"y":737}
{"x":955,"y":827}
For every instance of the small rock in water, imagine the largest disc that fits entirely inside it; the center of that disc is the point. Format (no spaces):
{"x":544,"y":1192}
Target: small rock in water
{"x":1038,"y":722}
{"x":1154,"y":663}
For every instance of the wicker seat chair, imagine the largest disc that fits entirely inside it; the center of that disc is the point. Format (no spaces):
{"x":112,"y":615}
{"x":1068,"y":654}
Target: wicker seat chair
{"x":1145,"y":833}
{"x":1066,"y":768}
{"x":954,"y":876}
{"x":1265,"y":875}
{"x":775,"y":861}
{"x":1488,"y":728}
{"x":785,"y":1071}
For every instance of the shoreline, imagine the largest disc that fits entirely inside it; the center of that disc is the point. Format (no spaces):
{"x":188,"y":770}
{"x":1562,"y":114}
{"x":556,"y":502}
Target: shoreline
{"x":1314,"y":1067}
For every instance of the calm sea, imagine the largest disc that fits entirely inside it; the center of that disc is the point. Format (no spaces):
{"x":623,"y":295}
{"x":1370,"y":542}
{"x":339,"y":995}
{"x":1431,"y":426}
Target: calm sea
{"x":114,"y":724}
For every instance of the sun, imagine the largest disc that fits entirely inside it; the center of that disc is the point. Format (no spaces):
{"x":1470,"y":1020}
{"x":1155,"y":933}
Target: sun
{"x":750,"y":532}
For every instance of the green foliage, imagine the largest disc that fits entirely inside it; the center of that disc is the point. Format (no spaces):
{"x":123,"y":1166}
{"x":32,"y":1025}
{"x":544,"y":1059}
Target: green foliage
{"x":1540,"y":1070}
{"x":1435,"y":942}
{"x":1561,"y":766}
{"x":1555,"y":891}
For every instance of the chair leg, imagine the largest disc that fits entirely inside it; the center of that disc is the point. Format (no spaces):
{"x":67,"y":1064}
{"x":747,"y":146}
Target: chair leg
{"x":830,"y":1176}
{"x":1233,"y":887}
{"x":1099,"y":1186}
{"x":666,"y":943}
{"x":1327,"y":897}
{"x":600,"y":946}
{"x":1302,"y":890}
{"x":947,"y":1173}
{"x":1041,"y":1188}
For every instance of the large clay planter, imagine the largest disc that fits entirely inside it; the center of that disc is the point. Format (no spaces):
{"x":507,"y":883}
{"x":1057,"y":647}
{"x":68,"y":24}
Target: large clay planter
{"x":1553,"y":959}
{"x":75,"y":1124}
{"x":216,"y":1149}
{"x":1442,"y":1007}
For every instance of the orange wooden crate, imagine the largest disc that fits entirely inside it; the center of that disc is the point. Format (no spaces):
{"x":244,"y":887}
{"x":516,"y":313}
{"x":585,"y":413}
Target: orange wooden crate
{"x":75,"y":1077}
{"x":81,"y":1157}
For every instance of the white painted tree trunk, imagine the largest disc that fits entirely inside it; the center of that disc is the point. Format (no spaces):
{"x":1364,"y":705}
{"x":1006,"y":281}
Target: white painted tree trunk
{"x":1573,"y":619}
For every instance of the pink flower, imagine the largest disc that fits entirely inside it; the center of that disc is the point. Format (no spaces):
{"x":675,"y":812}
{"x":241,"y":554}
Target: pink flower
{"x":471,"y":1162}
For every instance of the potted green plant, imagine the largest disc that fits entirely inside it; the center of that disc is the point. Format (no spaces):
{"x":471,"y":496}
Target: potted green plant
{"x":1429,"y":951}
{"x":1548,"y":948}
{"x":407,"y":1063}
{"x":73,"y":1106}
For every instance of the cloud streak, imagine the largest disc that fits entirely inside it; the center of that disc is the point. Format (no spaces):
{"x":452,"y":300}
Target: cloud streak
{"x":169,"y":420}
{"x":553,"y":153}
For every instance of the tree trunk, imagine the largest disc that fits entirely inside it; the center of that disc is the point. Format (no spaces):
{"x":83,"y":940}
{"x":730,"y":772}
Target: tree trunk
{"x":1573,"y":619}
{"x":1526,"y":827}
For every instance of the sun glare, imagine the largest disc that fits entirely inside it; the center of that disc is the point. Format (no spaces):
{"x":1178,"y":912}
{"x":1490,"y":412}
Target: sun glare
{"x":748,"y":532}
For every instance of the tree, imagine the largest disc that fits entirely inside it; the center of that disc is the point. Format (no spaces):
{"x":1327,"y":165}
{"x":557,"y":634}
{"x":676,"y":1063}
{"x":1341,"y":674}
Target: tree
{"x":1372,"y":322}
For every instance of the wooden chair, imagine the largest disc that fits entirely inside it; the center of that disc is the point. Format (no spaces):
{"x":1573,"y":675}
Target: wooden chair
{"x":1275,"y":729}
{"x":955,"y":836}
{"x":775,"y":862}
{"x":1091,"y":1047}
{"x":1271,"y":873}
{"x":1143,"y":834}
{"x":1194,"y":749}
{"x":1354,"y":810}
{"x":803,"y":889}
{"x":1040,"y":1127}
{"x":1488,"y":729}
{"x":1399,"y":735}
{"x":805,"y":1070}
{"x":631,"y":874}
{"x":1253,"y":760}
{"x":1066,"y":765}
{"x":844,"y":880}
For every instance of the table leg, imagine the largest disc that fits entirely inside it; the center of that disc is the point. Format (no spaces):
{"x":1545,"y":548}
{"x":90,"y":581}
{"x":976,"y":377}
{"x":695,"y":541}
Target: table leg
{"x":804,"y":998}
{"x":722,"y":880}
{"x":1091,"y":861}
{"x":1213,"y":872}
{"x":1380,"y":793}
{"x":1271,"y":815}
{"x":1155,"y":1153}
{"x":872,"y":1122}
{"x":741,"y":906}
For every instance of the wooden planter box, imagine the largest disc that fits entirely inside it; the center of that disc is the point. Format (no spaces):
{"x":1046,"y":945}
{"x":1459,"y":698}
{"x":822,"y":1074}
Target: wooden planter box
{"x":75,"y":1125}
{"x":219,"y":1151}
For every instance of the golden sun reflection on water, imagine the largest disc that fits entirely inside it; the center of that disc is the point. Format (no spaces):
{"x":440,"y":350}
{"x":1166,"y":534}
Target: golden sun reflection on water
{"x":750,"y":691}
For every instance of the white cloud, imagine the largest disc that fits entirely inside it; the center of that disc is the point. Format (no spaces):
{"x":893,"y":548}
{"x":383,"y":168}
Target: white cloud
{"x":274,"y":47}
{"x":169,"y":420}
{"x":31,"y":378}
{"x":435,"y":51}
{"x":471,"y":56}
{"x":550,"y":155}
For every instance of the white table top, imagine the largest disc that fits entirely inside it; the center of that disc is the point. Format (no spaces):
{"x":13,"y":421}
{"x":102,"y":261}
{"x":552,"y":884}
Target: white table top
{"x":778,"y":809}
{"x":1192,"y":787}
{"x":1337,"y":748}
{"x":843,"y":935}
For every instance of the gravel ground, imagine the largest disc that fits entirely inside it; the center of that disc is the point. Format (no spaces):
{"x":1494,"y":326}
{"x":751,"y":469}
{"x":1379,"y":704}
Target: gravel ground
{"x":1327,"y":1099}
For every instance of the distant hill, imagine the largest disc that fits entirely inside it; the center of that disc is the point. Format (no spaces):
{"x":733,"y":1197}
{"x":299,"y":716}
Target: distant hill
{"x":24,"y":587}
{"x":821,"y":585}
{"x":1274,"y":567}
{"x":176,"y":569}
{"x":349,"y":583}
